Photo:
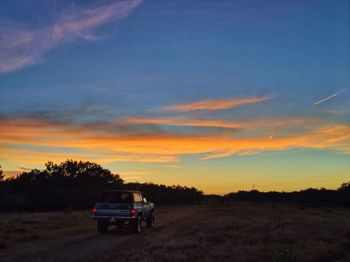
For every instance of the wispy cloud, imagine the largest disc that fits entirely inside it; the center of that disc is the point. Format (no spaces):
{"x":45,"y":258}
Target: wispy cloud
{"x":273,"y":124}
{"x":24,"y":168}
{"x":20,"y":47}
{"x":182,"y":121}
{"x":132,"y":173}
{"x":30,"y":141}
{"x":139,"y":176}
{"x":329,"y":97}
{"x":215,"y":104}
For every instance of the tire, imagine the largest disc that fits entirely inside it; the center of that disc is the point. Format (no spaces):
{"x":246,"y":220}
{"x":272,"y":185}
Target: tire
{"x":150,"y":221}
{"x":136,"y":226}
{"x":102,"y":227}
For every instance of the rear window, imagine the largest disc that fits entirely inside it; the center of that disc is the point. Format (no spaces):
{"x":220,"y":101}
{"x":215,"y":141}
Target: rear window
{"x":116,"y":197}
{"x":137,"y":197}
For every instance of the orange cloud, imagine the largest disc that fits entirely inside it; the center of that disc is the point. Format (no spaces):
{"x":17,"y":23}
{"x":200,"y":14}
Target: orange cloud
{"x":215,"y":104}
{"x":56,"y":141}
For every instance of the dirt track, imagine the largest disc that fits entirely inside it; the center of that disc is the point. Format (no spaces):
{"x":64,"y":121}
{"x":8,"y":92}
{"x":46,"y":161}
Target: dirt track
{"x":86,"y":243}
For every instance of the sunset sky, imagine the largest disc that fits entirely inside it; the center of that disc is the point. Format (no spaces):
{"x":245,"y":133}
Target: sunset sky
{"x":220,"y":95}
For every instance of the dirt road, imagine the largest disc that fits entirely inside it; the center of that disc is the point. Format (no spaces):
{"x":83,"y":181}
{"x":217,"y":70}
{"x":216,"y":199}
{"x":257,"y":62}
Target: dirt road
{"x":85,"y":243}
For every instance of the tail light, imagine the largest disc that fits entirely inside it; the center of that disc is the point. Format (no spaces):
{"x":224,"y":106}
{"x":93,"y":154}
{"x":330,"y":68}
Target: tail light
{"x":94,"y":210}
{"x":132,"y":211}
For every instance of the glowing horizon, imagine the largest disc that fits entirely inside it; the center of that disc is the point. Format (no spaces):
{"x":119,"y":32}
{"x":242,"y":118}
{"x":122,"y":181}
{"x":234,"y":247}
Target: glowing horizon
{"x":218,"y":96}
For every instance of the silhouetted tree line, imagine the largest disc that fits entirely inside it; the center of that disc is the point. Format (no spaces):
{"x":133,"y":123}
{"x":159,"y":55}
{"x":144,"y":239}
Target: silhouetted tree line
{"x":308,"y":197}
{"x":77,"y":185}
{"x":168,"y":194}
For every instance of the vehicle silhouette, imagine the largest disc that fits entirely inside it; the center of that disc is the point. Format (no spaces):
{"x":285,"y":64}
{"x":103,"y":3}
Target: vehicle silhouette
{"x":123,"y":207}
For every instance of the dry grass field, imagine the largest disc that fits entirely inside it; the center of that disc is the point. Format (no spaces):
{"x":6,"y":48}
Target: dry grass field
{"x":207,"y":232}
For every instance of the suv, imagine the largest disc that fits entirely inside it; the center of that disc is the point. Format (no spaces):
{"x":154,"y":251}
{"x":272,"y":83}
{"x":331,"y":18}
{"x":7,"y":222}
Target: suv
{"x":123,"y":207}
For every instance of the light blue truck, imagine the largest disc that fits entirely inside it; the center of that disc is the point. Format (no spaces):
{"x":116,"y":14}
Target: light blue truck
{"x":123,"y":207}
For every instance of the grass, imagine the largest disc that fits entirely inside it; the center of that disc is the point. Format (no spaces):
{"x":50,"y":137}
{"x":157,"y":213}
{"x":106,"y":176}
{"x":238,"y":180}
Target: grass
{"x":246,"y":232}
{"x":17,"y":228}
{"x":235,"y":231}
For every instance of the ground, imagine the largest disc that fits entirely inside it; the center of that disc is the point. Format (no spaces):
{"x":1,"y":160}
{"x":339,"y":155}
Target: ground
{"x":207,"y":232}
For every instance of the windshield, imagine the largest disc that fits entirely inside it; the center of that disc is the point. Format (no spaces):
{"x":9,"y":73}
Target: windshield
{"x":116,"y":197}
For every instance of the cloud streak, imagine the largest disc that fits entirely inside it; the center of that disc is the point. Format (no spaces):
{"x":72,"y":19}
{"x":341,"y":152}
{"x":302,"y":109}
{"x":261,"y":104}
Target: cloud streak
{"x":182,"y":121}
{"x":21,"y":47}
{"x":329,"y":97}
{"x":274,"y":124}
{"x":215,"y":104}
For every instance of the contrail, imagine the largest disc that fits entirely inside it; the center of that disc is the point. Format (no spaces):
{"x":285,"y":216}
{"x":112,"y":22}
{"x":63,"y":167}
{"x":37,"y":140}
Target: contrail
{"x":329,"y":97}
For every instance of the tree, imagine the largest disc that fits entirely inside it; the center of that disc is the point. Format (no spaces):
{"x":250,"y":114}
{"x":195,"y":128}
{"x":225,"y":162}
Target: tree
{"x":81,"y":172}
{"x":68,"y":184}
{"x":345,"y":187}
{"x":1,"y":174}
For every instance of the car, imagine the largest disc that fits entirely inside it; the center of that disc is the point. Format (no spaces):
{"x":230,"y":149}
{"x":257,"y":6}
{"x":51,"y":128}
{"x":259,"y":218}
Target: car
{"x":123,"y":207}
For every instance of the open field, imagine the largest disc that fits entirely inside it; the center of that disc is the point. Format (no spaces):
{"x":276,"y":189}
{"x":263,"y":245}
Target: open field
{"x":207,"y":232}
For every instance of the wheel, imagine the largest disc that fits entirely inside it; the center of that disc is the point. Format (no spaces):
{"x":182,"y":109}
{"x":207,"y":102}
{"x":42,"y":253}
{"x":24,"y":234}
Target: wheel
{"x":102,"y":227}
{"x":150,"y":221}
{"x":136,"y":226}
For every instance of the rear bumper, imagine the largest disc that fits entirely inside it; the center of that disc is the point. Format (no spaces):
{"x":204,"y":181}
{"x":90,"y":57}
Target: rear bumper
{"x":115,"y":218}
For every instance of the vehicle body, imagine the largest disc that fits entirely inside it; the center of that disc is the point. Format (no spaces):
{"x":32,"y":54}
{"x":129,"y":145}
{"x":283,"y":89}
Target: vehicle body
{"x":123,"y":207}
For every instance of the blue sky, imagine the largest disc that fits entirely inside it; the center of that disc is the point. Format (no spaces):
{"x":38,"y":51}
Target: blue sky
{"x":111,"y":67}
